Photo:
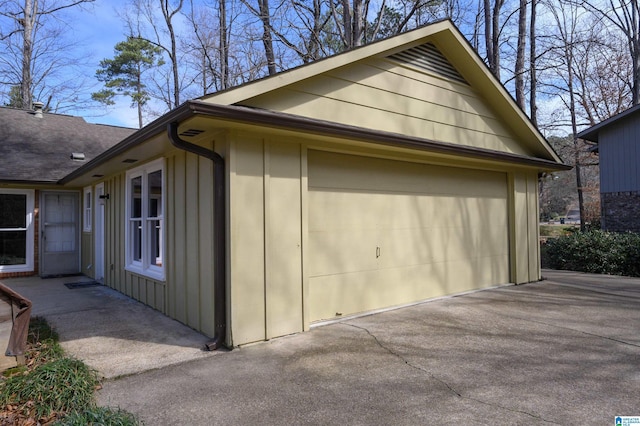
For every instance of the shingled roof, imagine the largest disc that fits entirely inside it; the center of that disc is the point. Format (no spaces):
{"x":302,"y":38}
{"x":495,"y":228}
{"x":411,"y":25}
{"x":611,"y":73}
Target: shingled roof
{"x":38,"y":149}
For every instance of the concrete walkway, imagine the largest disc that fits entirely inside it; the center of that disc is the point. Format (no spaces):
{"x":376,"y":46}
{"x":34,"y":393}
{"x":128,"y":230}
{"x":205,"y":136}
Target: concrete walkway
{"x":110,"y":332}
{"x":562,"y":351}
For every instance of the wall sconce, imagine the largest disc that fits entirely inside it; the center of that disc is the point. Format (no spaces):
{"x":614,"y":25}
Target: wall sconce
{"x":104,"y":197}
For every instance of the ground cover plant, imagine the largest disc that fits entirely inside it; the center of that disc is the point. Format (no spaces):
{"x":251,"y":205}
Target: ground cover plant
{"x":51,"y":388}
{"x":596,"y":251}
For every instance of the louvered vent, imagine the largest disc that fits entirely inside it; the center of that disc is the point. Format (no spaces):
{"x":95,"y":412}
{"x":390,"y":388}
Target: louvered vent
{"x":428,"y":58}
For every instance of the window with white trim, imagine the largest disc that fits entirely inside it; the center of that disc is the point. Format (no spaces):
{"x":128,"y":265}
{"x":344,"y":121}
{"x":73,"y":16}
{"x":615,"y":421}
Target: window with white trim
{"x":86,"y":211}
{"x":144,"y":233}
{"x":16,"y":230}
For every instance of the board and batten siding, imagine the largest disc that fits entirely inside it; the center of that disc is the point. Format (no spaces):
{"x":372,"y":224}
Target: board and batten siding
{"x":619,"y":153}
{"x":86,"y":253}
{"x":272,"y":202}
{"x":265,"y":238}
{"x":187,"y":292}
{"x":384,"y":95}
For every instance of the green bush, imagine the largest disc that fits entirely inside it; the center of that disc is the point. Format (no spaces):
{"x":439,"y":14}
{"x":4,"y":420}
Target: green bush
{"x":595,"y":251}
{"x":99,"y":416}
{"x":63,"y":385}
{"x":53,"y":387}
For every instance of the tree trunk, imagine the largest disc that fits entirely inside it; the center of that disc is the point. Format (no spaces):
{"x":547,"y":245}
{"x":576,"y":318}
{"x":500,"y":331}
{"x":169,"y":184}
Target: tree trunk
{"x":487,"y":33}
{"x":347,"y":24}
{"x":574,"y":130}
{"x":267,"y":40}
{"x":532,"y":66}
{"x":224,"y":45}
{"x":635,"y":53}
{"x":30,"y":13}
{"x":520,"y":54}
{"x":173,"y":54}
{"x":357,"y":24}
{"x":495,"y":38}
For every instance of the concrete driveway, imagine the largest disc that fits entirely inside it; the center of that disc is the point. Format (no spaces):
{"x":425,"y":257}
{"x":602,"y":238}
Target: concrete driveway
{"x":562,"y":351}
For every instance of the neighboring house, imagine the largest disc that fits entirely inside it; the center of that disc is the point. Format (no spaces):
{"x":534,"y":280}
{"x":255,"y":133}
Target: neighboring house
{"x":390,"y":174}
{"x":39,"y":219}
{"x":618,"y":148}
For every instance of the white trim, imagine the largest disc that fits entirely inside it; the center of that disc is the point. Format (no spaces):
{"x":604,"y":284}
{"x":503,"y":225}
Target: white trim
{"x":144,"y":266}
{"x":99,"y":233}
{"x":87,"y":211}
{"x":29,"y":248}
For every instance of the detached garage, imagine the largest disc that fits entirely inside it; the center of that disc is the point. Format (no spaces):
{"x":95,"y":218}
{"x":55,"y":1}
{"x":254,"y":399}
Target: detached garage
{"x":380,"y":177}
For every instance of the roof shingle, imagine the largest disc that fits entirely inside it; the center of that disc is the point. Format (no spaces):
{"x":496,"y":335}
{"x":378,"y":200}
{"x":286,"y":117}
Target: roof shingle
{"x":39,"y":149}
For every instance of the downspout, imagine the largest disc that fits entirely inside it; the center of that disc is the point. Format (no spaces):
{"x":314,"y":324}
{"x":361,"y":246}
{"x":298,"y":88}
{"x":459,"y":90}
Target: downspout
{"x":219,"y":224}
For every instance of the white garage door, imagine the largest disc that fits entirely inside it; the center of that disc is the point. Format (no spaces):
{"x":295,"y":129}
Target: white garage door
{"x":385,"y":233}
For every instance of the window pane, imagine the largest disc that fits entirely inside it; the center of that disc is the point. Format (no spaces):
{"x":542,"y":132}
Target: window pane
{"x":155,"y":193}
{"x":87,"y":200}
{"x":136,"y":240}
{"x":136,"y":197}
{"x":155,"y":242}
{"x":13,"y":248}
{"x":13,"y":211}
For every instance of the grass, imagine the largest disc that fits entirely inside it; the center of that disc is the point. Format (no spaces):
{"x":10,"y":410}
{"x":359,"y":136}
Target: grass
{"x":52,"y":388}
{"x":556,"y":230}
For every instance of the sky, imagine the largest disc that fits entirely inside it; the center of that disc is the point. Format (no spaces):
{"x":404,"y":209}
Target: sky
{"x":99,"y":28}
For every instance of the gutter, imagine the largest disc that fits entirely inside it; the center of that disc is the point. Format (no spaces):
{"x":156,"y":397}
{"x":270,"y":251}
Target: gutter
{"x":219,"y":243}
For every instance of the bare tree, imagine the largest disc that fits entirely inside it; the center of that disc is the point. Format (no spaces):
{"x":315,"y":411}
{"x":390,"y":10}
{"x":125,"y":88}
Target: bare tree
{"x":533,"y":72}
{"x":625,"y":16}
{"x":492,"y":34}
{"x":519,"y":74}
{"x":143,"y":20}
{"x":24,"y":23}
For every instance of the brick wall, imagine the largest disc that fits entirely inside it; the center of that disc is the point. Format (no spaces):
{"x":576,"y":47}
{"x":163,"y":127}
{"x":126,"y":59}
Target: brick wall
{"x":621,"y":211}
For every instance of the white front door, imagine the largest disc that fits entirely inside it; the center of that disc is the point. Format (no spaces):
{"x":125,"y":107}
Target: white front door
{"x":99,"y":233}
{"x":59,"y":233}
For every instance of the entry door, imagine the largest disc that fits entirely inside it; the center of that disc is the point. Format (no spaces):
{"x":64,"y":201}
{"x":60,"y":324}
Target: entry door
{"x":99,"y":234}
{"x":59,"y":233}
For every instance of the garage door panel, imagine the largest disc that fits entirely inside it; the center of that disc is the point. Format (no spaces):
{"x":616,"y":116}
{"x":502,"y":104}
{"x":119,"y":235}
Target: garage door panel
{"x":361,"y":292}
{"x":389,"y":233}
{"x":340,"y":252}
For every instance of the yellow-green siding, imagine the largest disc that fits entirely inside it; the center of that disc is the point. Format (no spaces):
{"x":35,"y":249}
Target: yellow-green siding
{"x":86,"y":254}
{"x":379,"y":94}
{"x":186,"y":294}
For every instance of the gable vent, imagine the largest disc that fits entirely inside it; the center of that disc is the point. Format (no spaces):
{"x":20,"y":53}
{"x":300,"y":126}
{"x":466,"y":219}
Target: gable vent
{"x":427,"y":57}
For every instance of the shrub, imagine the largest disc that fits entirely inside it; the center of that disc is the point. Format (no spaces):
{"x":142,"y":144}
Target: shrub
{"x":99,"y":416}
{"x":594,"y":251}
{"x":63,"y":385}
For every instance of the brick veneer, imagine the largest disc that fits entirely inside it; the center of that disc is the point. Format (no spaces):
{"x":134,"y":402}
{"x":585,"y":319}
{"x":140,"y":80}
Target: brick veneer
{"x":621,"y":211}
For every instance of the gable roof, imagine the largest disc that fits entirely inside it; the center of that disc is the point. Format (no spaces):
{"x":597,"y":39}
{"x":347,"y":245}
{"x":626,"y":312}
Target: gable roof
{"x":593,"y":133}
{"x":460,"y":58}
{"x":38,"y":150}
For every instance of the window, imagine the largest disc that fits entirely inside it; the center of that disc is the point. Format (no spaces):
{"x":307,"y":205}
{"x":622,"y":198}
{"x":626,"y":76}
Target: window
{"x":87,"y":210}
{"x":144,"y":232}
{"x":16,"y":230}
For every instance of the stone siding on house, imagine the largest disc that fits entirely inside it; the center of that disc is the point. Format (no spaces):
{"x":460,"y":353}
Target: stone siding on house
{"x":621,"y":211}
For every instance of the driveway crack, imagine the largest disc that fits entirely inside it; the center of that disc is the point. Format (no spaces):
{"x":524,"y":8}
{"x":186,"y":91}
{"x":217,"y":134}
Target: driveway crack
{"x":444,"y":383}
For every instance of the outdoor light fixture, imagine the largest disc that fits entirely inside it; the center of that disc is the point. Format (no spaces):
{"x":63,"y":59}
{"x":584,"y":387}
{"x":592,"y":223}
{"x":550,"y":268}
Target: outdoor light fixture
{"x":77,"y":156}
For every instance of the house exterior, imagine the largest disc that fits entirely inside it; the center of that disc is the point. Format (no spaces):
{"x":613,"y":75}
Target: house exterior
{"x":40,"y":220}
{"x":390,"y":174}
{"x":619,"y":154}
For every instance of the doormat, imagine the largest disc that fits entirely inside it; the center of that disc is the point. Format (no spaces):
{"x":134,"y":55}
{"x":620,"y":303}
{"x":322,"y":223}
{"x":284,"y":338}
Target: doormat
{"x":82,"y":284}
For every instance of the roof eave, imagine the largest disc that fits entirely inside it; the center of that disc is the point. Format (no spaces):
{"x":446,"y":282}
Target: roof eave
{"x":308,"y":125}
{"x":152,"y":129}
{"x":592,"y":133}
{"x":278,"y":120}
